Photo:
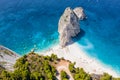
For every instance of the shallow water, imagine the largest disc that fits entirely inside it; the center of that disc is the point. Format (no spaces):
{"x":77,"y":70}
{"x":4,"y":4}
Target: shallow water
{"x":25,"y":24}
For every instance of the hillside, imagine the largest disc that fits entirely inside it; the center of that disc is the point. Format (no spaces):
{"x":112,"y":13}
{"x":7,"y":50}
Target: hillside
{"x":38,"y":67}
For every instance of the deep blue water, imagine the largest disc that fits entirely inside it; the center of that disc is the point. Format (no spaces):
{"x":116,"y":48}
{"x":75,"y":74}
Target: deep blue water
{"x":26,"y":23}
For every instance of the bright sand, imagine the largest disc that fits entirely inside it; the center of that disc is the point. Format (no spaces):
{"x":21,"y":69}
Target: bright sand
{"x":75,"y":54}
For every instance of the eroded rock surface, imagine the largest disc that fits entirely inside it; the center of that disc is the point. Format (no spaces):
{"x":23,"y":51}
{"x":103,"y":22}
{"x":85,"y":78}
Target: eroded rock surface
{"x":68,"y":25}
{"x":7,"y":58}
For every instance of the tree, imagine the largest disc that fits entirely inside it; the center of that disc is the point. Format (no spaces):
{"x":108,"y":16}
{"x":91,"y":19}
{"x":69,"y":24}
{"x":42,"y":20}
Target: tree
{"x":5,"y":75}
{"x":76,"y":76}
{"x":36,"y":76}
{"x":20,"y":62}
{"x":106,"y":76}
{"x":54,"y":57}
{"x":49,"y":75}
{"x":71,"y":67}
{"x":64,"y":75}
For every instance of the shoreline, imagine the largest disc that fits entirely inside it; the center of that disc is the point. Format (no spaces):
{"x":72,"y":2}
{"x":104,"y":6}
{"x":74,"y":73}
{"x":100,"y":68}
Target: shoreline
{"x":73,"y":53}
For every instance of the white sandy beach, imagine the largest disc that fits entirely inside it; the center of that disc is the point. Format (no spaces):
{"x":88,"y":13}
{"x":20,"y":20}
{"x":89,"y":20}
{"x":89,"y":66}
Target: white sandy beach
{"x":75,"y":54}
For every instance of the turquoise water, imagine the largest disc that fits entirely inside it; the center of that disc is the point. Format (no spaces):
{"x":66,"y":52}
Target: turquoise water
{"x":25,"y":24}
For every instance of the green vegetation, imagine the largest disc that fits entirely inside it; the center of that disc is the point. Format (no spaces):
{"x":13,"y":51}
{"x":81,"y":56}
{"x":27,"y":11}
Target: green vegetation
{"x":71,"y":67}
{"x":78,"y":73}
{"x":1,"y":70}
{"x":106,"y":76}
{"x":32,"y":67}
{"x":38,"y":67}
{"x":64,"y":75}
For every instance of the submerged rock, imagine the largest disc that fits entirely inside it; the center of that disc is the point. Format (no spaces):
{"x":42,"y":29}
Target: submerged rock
{"x":69,"y":26}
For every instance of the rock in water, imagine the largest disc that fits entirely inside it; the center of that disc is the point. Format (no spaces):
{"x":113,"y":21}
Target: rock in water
{"x":69,"y":26}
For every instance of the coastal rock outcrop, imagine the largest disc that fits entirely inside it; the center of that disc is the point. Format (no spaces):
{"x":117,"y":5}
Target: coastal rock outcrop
{"x":7,"y":58}
{"x":68,"y":25}
{"x":79,"y":12}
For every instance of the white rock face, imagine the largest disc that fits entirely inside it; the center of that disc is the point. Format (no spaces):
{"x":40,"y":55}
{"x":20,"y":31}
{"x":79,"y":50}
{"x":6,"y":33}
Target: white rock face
{"x":8,"y":57}
{"x":69,"y":26}
{"x":79,"y":12}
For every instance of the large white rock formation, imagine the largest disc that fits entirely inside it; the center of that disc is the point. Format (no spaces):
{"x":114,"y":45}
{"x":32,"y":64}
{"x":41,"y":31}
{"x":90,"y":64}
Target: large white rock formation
{"x":69,"y":26}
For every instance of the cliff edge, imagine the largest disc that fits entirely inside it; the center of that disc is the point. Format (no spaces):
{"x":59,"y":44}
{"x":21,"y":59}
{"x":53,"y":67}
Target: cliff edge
{"x":7,"y":58}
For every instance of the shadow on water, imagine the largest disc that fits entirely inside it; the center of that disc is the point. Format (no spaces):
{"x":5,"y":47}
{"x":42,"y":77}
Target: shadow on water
{"x":77,"y":38}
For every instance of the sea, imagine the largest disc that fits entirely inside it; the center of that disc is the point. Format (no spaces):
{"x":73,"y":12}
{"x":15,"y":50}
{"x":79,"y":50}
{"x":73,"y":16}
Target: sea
{"x":28,"y":24}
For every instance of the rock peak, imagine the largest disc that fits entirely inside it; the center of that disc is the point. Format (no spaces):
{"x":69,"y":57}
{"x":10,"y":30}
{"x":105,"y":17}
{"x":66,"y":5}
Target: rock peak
{"x":68,"y":25}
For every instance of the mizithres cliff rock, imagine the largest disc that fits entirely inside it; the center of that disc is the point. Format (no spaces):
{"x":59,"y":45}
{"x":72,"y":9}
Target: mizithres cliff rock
{"x":68,"y":25}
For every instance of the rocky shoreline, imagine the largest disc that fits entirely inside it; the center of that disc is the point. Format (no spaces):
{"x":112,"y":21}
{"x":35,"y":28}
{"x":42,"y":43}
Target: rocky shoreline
{"x":7,"y":58}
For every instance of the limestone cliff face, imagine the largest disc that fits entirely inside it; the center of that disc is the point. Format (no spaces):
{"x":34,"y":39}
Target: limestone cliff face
{"x":69,"y":26}
{"x":7,"y":58}
{"x":79,"y":12}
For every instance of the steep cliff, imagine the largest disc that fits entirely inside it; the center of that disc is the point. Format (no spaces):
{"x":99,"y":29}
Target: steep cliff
{"x":68,"y":25}
{"x":7,"y":58}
